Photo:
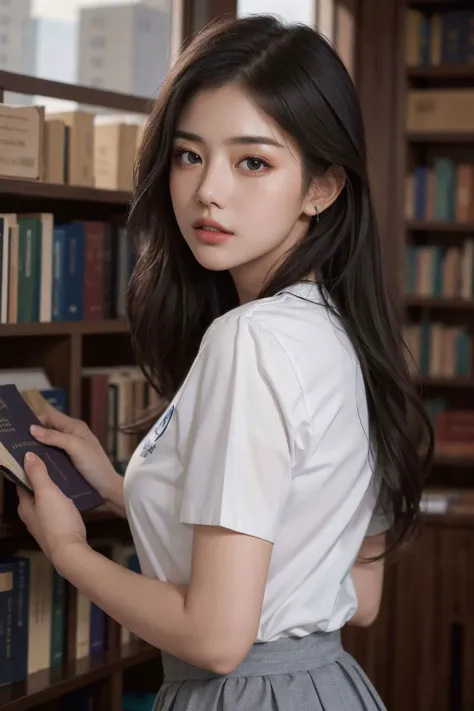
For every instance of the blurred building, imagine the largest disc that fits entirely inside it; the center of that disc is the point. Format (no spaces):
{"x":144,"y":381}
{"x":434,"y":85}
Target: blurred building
{"x":125,"y":48}
{"x":17,"y":42}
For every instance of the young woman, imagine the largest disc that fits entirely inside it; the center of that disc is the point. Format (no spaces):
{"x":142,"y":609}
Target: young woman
{"x":292,"y":437}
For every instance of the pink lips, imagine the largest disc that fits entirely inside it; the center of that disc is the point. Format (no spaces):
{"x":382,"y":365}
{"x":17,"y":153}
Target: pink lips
{"x":211,"y":232}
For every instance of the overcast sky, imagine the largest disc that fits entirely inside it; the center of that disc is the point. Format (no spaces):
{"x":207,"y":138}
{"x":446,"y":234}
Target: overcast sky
{"x":291,"y":10}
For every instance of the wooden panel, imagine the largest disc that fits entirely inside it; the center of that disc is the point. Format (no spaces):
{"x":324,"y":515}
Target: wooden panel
{"x":378,"y":75}
{"x":373,"y":647}
{"x":198,"y":13}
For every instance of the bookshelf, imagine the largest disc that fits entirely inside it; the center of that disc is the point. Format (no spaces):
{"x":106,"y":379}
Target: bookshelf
{"x":63,"y":349}
{"x":437,"y":280}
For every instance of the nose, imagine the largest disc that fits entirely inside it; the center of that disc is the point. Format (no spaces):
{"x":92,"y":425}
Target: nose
{"x":213,"y":185}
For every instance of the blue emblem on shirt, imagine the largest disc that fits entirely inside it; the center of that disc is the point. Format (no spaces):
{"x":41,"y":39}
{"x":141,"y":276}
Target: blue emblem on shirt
{"x":158,"y":431}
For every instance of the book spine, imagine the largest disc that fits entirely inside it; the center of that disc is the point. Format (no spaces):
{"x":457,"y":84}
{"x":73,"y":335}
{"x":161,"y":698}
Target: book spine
{"x":29,"y":271}
{"x":59,"y":275}
{"x":21,"y":619}
{"x":6,"y":622}
{"x":75,"y":272}
{"x":97,"y":633}
{"x":93,"y":271}
{"x":58,"y":621}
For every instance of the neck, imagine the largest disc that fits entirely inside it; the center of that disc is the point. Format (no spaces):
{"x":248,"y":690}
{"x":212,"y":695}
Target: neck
{"x":250,"y":277}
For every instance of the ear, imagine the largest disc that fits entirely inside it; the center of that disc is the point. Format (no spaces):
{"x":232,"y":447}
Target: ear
{"x":324,"y":190}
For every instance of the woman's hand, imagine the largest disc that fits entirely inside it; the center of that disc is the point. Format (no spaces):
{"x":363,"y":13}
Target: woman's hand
{"x":84,"y":449}
{"x":51,"y":518}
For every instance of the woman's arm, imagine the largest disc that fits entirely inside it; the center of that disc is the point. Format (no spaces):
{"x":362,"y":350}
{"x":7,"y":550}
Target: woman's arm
{"x":368,"y":581}
{"x":213,"y":623}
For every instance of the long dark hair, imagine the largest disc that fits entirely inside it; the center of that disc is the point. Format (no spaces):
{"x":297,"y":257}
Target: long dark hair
{"x":298,"y":79}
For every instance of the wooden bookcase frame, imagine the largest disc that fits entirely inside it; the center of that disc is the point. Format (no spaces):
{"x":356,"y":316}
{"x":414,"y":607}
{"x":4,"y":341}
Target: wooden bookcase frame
{"x":61,"y":347}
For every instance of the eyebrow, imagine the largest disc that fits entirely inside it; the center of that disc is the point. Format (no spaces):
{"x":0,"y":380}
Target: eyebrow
{"x":235,"y":140}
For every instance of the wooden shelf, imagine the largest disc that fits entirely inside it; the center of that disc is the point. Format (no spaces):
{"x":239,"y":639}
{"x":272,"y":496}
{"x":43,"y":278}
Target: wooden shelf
{"x":440,"y":5}
{"x":439,"y":303}
{"x":55,"y":191}
{"x":61,"y":328}
{"x":439,"y":137}
{"x":15,"y":528}
{"x":455,"y":460}
{"x":439,"y":226}
{"x":446,"y":71}
{"x":455,"y":383}
{"x":50,"y":684}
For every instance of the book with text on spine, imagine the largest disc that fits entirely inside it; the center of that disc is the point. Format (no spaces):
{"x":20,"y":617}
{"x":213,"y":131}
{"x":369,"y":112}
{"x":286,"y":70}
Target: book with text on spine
{"x":16,"y":418}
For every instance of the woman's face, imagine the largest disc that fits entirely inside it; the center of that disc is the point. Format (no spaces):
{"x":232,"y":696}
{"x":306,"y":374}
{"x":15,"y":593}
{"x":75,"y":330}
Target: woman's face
{"x":233,"y":166}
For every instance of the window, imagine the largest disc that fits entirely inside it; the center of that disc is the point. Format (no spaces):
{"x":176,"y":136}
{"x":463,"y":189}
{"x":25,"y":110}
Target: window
{"x":5,"y":20}
{"x":78,"y":41}
{"x":4,"y":39}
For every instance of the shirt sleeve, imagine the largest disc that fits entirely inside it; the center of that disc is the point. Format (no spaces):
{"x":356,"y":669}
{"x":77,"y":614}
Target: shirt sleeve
{"x":380,"y":521}
{"x":240,"y":411}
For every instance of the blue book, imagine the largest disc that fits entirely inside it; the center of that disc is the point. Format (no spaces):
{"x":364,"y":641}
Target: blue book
{"x":421,"y":180}
{"x":454,"y":37}
{"x":74,"y":270}
{"x":56,"y":398}
{"x":7,"y":599}
{"x":425,"y":41}
{"x":98,"y":629}
{"x":21,"y":585}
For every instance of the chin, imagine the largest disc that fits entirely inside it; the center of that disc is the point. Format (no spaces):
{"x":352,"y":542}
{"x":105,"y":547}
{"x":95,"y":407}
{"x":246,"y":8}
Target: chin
{"x":213,"y":258}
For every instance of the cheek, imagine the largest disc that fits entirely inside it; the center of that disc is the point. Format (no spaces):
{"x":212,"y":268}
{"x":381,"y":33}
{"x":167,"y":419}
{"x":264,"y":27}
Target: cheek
{"x":176,"y":190}
{"x":274,"y":201}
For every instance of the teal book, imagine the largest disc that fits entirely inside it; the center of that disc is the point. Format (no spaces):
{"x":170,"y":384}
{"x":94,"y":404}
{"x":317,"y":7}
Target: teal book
{"x":29,"y":269}
{"x":445,"y":181}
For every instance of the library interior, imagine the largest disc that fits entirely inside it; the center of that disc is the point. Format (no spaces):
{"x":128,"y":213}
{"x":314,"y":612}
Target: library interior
{"x":77,"y":82}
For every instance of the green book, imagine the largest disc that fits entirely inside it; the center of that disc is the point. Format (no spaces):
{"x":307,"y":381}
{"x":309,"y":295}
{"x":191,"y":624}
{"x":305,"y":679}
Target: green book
{"x":29,"y":269}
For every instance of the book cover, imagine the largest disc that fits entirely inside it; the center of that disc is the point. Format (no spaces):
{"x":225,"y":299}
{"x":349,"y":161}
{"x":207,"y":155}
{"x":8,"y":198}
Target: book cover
{"x":16,"y":417}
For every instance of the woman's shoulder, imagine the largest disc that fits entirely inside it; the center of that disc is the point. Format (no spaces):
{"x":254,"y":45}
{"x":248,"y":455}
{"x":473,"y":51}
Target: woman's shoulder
{"x":296,"y":319}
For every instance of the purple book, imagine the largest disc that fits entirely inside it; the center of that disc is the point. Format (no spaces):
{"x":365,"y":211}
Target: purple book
{"x":16,"y":417}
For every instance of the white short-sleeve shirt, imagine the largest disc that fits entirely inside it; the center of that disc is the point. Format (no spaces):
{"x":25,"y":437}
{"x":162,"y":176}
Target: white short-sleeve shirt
{"x":267,"y":436}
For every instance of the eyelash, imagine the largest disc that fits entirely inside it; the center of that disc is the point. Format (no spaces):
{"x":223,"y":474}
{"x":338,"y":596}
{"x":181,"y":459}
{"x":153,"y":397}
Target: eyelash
{"x":181,"y":151}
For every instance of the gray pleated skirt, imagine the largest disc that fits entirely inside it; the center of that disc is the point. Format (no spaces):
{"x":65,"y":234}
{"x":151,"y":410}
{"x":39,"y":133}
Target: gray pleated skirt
{"x":313,"y":673}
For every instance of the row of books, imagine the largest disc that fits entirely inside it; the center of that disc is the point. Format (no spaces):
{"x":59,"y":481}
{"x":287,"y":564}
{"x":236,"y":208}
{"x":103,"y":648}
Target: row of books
{"x":437,"y":350}
{"x":69,"y":271}
{"x":439,"y":38}
{"x":453,"y":428}
{"x":113,"y":397}
{"x":440,"y":271}
{"x":443,"y":190}
{"x":44,"y":620}
{"x":73,"y":147}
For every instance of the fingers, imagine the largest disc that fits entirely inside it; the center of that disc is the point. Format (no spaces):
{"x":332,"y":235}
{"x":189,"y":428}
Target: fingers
{"x":25,"y":505}
{"x":58,"y":420}
{"x":36,"y":471}
{"x":54,"y":438}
